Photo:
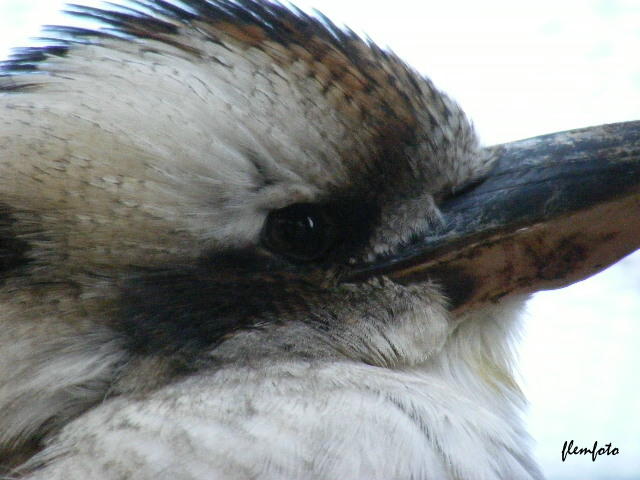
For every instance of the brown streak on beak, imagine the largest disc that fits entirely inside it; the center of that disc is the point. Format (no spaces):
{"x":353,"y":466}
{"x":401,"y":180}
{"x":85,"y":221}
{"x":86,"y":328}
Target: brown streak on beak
{"x":541,"y":257}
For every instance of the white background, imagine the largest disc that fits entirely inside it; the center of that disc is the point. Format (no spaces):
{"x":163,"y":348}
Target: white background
{"x":521,"y":69}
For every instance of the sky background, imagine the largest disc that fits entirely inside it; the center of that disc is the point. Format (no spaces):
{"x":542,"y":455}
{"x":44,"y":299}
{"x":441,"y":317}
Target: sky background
{"x":521,"y":69}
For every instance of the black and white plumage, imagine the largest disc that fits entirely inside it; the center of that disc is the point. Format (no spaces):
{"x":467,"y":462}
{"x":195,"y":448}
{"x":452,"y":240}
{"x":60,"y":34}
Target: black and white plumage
{"x":155,"y":322}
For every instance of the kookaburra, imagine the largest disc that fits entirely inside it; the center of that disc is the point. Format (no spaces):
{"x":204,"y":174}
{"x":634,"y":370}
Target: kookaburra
{"x":239,"y":242}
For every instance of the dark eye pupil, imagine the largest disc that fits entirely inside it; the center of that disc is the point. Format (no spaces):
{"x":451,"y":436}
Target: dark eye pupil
{"x":301,"y":231}
{"x":297,"y":230}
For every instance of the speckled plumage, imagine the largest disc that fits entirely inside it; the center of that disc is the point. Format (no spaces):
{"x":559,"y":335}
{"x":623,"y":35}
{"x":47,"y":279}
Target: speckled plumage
{"x":146,"y":331}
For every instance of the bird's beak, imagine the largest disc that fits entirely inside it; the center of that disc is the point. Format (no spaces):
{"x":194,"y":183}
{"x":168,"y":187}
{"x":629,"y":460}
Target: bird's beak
{"x":553,"y":210}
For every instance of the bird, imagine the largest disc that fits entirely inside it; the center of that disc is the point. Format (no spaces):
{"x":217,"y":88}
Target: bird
{"x":239,"y":241}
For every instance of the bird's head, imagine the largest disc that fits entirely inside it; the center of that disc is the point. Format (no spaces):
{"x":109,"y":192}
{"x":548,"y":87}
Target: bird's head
{"x":225,"y":161}
{"x":236,"y":181}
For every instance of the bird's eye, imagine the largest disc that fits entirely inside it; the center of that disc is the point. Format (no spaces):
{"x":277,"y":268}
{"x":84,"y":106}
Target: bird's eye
{"x":300,"y":232}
